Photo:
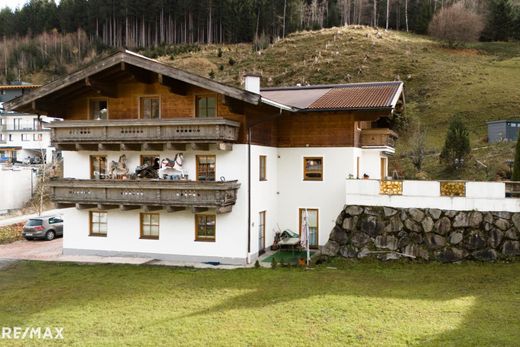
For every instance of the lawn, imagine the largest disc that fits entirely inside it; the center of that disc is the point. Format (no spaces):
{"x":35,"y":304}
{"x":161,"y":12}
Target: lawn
{"x":351,"y":304}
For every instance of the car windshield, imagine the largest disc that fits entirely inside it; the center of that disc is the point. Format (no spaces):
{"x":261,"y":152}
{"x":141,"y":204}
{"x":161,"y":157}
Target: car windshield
{"x":34,"y":222}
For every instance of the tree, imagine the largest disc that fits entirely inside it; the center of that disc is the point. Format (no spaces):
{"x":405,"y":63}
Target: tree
{"x":418,"y":147}
{"x":456,"y":25}
{"x":456,"y":146}
{"x":516,"y":165}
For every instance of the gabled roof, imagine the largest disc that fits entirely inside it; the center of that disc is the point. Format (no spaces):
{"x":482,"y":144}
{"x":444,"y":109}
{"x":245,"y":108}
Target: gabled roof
{"x":337,"y":97}
{"x":139,"y":61}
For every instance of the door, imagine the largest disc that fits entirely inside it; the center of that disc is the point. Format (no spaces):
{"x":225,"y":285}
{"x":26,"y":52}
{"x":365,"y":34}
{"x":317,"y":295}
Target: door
{"x":310,"y":217}
{"x":383,"y":168}
{"x":261,"y":232}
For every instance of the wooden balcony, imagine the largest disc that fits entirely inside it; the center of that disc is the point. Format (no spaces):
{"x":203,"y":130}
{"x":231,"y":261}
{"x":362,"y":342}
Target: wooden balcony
{"x":378,"y":137}
{"x":139,"y":134}
{"x":150,"y":195}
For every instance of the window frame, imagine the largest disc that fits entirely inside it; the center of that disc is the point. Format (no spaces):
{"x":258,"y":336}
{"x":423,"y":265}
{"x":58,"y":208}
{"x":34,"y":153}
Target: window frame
{"x":300,"y":215}
{"x":306,"y":171}
{"x":25,"y":137}
{"x":92,"y":176}
{"x":141,"y":224}
{"x":262,"y":167}
{"x":198,"y":238}
{"x":200,"y":96}
{"x":141,"y":105}
{"x":91,"y":224}
{"x":97,"y":99}
{"x":142,"y":156}
{"x":197,"y":164}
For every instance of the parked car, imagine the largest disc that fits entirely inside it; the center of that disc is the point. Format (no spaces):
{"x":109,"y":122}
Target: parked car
{"x":46,"y":228}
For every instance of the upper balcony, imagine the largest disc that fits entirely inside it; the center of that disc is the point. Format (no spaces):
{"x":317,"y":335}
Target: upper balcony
{"x":139,"y":134}
{"x":378,"y":138}
{"x":149,"y":194}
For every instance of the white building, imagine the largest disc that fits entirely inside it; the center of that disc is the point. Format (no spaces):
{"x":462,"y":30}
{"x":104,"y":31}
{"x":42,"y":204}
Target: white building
{"x":255,"y":160}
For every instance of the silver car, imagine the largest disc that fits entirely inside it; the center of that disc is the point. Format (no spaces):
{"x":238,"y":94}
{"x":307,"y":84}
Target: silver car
{"x":46,"y":228}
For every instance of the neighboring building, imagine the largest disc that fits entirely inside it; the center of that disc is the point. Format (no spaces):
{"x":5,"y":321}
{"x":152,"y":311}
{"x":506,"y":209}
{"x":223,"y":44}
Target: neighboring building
{"x":22,"y":135}
{"x":503,"y":130}
{"x":255,"y":160}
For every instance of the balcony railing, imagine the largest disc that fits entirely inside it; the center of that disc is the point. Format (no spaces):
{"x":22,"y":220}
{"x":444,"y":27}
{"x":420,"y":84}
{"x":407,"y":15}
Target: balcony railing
{"x":146,"y":194}
{"x":76,"y":135}
{"x":378,"y":137}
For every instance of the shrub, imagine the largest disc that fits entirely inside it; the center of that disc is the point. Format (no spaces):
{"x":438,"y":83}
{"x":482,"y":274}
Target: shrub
{"x":456,"y":146}
{"x":211,"y":74}
{"x":221,"y":67}
{"x":516,"y":165}
{"x":274,"y":263}
{"x":231,"y":61}
{"x":219,"y":52}
{"x":257,"y":264}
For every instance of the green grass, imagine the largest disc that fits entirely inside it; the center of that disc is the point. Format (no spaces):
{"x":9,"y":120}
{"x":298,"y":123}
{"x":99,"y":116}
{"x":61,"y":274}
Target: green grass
{"x":356,"y":304}
{"x":480,"y":82}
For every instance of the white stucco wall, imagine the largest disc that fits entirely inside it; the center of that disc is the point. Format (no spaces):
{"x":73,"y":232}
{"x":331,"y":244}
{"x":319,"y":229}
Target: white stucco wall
{"x":16,"y":188}
{"x":480,"y":196}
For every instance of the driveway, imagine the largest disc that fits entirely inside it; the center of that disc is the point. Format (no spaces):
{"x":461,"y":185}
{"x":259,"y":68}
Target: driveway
{"x":32,"y":250}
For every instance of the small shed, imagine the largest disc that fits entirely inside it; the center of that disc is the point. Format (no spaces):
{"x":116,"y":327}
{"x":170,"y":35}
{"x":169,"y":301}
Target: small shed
{"x":503,"y":130}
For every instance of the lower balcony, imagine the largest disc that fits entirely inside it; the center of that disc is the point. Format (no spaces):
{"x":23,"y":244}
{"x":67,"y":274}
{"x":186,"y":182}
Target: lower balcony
{"x":378,"y":138}
{"x":150,"y":195}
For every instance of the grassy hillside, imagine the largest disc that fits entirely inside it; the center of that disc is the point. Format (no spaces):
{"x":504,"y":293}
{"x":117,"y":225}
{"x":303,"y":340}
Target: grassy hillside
{"x":480,"y":82}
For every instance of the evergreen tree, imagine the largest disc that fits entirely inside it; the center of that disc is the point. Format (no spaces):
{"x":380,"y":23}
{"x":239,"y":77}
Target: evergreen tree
{"x":456,"y":146}
{"x":516,"y":165}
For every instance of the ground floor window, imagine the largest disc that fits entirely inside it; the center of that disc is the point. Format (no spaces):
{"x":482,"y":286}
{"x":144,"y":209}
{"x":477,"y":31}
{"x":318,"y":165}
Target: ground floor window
{"x":205,"y":227}
{"x":309,"y":218}
{"x":149,"y":225}
{"x":98,"y":223}
{"x":261,"y":232}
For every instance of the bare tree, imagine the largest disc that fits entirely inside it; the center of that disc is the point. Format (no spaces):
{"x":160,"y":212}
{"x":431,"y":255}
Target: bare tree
{"x":375,"y":14}
{"x":387,"y":13}
{"x":418,"y":147}
{"x":456,"y":25}
{"x":406,"y":13}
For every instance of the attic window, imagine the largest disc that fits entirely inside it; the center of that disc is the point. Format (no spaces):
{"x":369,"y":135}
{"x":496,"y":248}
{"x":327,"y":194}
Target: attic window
{"x":98,"y":109}
{"x":206,"y":106}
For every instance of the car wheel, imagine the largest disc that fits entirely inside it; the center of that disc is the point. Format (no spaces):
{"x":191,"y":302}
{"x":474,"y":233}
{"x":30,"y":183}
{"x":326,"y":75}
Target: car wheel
{"x":50,"y":235}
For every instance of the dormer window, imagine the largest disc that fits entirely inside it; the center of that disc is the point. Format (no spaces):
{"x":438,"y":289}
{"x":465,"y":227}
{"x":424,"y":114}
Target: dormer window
{"x":98,"y":109}
{"x":206,"y":106}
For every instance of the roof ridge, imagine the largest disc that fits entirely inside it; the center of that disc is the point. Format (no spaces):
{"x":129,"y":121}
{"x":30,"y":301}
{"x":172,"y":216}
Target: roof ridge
{"x":333,"y":86}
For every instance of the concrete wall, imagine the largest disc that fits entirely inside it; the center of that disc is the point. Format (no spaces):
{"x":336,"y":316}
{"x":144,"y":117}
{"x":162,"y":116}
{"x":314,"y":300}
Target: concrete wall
{"x":480,"y":196}
{"x":16,"y":188}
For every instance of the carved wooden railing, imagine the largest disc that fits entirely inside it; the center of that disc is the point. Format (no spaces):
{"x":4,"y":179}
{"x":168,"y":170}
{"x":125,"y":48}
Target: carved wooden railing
{"x":378,"y":137}
{"x":162,"y":193}
{"x":178,"y":130}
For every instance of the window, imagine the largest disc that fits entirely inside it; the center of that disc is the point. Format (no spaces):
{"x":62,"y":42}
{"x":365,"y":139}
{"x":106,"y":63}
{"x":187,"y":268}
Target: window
{"x":383,"y":168}
{"x":10,"y":137}
{"x":150,"y":107}
{"x":98,"y":223}
{"x":263,"y":160}
{"x":313,"y":169}
{"x":37,"y":137}
{"x":310,"y":217}
{"x":357,"y":167}
{"x":17,"y":123}
{"x":37,"y":125}
{"x":206,"y":165}
{"x":55,"y":220}
{"x":206,"y":106}
{"x":149,"y":225}
{"x":98,"y":109}
{"x":25,"y":137}
{"x":205,"y":227}
{"x":149,"y":159}
{"x":98,"y":167}
{"x":261,"y":232}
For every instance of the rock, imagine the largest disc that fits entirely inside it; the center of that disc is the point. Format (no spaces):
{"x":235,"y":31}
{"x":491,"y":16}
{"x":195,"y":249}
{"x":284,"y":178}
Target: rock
{"x":511,"y":248}
{"x":389,"y":212}
{"x":475,"y":240}
{"x":488,"y":226}
{"x":415,"y":251}
{"x":394,"y":224}
{"x":372,"y":211}
{"x":415,"y":238}
{"x":455,"y":238}
{"x":450,"y":213}
{"x":354,"y":210}
{"x":365,"y":252}
{"x":516,"y":220}
{"x":416,"y":214}
{"x":461,"y":220}
{"x":412,"y":226}
{"x":427,"y":224}
{"x":434,"y":241}
{"x":339,"y":235}
{"x":389,"y":256}
{"x":475,"y":218}
{"x":386,"y":242}
{"x":495,"y":238}
{"x":330,"y":249}
{"x":349,"y":223}
{"x":370,"y":226}
{"x":488,"y":218}
{"x":403,"y":242}
{"x":502,"y":214}
{"x":451,"y":255}
{"x":348,"y":251}
{"x":404,"y":215}
{"x":511,"y":234}
{"x":485,"y":255}
{"x":435,"y":213}
{"x":442,"y":226}
{"x":359,"y":239}
{"x":502,"y":224}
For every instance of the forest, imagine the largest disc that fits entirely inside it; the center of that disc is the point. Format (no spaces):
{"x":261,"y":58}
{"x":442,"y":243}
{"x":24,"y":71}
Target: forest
{"x":45,"y":35}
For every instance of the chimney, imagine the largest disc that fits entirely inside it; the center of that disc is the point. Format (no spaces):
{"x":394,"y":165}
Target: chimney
{"x":252,"y":83}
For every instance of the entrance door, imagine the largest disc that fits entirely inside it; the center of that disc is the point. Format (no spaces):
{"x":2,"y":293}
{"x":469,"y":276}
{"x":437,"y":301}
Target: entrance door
{"x":311,"y":219}
{"x":261,"y":232}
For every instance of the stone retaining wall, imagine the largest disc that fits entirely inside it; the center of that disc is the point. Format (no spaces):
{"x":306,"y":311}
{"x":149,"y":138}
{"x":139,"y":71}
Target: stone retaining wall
{"x":424,"y":234}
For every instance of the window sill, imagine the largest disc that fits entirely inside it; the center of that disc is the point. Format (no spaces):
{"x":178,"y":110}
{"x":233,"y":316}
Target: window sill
{"x":313,"y":179}
{"x":98,"y":235}
{"x":204,"y":240}
{"x":149,"y":238}
{"x":263,"y":180}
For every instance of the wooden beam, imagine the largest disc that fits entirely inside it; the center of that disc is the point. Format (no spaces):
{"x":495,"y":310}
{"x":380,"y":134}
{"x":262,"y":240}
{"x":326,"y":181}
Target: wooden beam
{"x":107,"y":207}
{"x":105,"y":89}
{"x":130,"y":146}
{"x":224,"y":209}
{"x":86,"y":147}
{"x":199,"y":209}
{"x":108,"y":147}
{"x":199,"y":146}
{"x":146,"y":146}
{"x":175,"y":208}
{"x":129,"y":207}
{"x":224,"y":146}
{"x":64,"y":205}
{"x":65,"y":147}
{"x":85,"y":206}
{"x":175,"y":146}
{"x":148,"y":208}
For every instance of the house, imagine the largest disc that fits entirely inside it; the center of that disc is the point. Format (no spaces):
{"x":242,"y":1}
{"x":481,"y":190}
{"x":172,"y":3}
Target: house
{"x":22,"y":135}
{"x":254,"y":161}
{"x":503,"y":130}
